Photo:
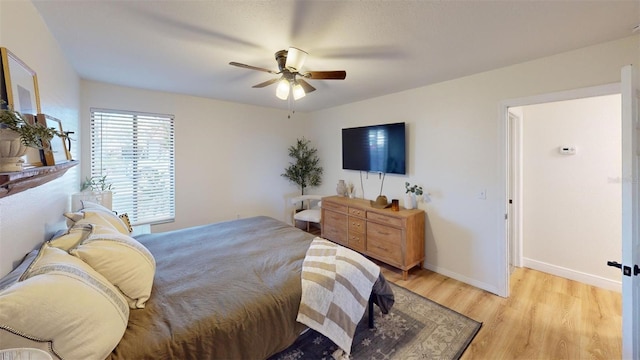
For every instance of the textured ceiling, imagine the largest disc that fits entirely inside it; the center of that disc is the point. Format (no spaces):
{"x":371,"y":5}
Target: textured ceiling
{"x":384,"y":46}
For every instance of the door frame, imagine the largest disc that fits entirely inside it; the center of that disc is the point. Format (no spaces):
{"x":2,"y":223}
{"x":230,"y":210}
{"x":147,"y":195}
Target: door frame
{"x":630,"y":211}
{"x":514,"y":189}
{"x":504,"y":244}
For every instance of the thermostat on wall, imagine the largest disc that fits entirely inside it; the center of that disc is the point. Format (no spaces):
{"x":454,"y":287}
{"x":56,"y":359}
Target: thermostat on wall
{"x":567,"y":150}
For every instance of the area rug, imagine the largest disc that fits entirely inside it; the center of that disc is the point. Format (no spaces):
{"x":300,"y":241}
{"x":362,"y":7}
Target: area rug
{"x":415,"y":328}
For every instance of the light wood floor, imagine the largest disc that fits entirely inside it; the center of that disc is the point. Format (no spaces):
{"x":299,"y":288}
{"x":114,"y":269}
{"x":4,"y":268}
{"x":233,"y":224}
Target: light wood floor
{"x":546,"y":317}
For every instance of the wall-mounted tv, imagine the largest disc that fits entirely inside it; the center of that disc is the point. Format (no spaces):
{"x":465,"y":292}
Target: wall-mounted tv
{"x":376,"y":148}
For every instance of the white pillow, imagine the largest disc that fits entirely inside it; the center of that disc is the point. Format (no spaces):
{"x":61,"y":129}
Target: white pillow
{"x":121,"y":259}
{"x":60,"y":301}
{"x":86,"y":204}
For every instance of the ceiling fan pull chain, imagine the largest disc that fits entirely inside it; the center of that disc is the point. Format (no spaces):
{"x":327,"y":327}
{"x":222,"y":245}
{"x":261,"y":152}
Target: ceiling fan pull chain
{"x":290,"y":105}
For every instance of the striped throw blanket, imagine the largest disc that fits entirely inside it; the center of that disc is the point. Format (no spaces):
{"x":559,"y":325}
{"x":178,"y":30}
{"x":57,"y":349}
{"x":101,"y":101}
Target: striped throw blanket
{"x":336,"y":284}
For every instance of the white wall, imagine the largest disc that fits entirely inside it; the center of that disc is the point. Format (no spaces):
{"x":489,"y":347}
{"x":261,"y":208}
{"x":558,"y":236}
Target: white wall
{"x":28,"y":218}
{"x":572,"y":203}
{"x":229,"y":156}
{"x":455,"y":146}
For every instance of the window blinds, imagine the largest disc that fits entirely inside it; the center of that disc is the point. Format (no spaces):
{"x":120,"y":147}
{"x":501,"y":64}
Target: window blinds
{"x":136,"y":152}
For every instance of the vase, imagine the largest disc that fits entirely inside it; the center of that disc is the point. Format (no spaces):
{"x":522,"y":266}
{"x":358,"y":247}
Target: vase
{"x":341,"y":189}
{"x":11,"y":151}
{"x":409,"y":201}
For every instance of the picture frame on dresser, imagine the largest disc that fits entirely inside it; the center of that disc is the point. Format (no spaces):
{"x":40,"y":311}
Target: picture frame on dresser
{"x":57,"y":152}
{"x":18,"y":84}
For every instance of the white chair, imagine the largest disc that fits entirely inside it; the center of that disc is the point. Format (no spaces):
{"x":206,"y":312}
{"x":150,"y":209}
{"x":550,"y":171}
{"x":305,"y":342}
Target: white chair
{"x":310,"y":212}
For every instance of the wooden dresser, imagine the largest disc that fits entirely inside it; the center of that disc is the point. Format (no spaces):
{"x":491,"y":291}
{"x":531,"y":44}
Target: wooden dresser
{"x":393,"y":237}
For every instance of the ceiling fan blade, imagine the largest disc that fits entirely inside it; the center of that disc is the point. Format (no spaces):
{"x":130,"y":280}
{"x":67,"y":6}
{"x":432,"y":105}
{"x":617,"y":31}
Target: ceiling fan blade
{"x":266,"y":83}
{"x":326,"y":75}
{"x":306,"y":86}
{"x":252,"y":67}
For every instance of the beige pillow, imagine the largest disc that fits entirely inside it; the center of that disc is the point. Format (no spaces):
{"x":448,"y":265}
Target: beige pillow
{"x":72,"y":237}
{"x":121,"y":259}
{"x":97,"y":216}
{"x":60,"y":301}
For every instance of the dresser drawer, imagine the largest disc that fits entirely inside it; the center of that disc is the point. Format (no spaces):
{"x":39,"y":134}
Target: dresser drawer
{"x":357,"y":225}
{"x":334,"y":219}
{"x":356,"y":241}
{"x":384,"y":219}
{"x":334,"y":206}
{"x":384,"y":242}
{"x":334,"y":226}
{"x":357,"y":212}
{"x":335,"y":235}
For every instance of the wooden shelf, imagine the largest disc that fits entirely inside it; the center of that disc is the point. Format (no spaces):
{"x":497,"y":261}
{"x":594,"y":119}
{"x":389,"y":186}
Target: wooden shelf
{"x":15,"y":182}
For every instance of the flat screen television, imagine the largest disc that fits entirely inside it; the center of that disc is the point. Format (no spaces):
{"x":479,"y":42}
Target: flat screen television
{"x":376,"y":148}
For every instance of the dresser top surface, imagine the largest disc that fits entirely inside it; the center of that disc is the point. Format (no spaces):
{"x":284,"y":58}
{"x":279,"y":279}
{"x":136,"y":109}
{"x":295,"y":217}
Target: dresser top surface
{"x":366,"y":205}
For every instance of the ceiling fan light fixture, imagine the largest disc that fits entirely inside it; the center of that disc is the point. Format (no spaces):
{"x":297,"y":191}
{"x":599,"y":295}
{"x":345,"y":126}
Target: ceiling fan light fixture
{"x":295,"y":59}
{"x":282,"y":92}
{"x":298,"y":92}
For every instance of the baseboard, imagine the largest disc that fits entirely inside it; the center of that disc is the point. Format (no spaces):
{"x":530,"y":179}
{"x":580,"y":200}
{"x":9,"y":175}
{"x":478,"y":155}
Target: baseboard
{"x":570,"y":274}
{"x":473,"y":282}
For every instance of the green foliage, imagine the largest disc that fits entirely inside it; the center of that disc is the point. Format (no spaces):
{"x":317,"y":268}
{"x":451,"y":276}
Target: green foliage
{"x":412,"y":189}
{"x":96,"y":183}
{"x":31,"y":134}
{"x":304,"y":170}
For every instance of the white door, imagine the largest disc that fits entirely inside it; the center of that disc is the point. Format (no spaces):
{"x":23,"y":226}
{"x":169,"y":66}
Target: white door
{"x":630,"y":215}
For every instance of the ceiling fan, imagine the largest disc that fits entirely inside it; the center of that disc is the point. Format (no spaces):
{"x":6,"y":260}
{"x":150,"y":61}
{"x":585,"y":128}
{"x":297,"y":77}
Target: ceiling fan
{"x":292,"y":80}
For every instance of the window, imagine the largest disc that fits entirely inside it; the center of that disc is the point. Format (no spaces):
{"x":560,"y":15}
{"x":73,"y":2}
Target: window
{"x":136,"y":152}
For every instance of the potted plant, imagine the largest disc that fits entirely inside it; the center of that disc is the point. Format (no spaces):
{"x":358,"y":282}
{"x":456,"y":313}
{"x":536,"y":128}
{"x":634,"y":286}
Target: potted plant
{"x":304,"y":170}
{"x":95,"y":189}
{"x":17,"y":134}
{"x":410,"y":195}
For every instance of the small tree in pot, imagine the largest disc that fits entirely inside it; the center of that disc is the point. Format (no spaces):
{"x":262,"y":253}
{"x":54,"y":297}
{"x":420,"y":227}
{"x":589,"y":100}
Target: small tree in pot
{"x":304,"y":170}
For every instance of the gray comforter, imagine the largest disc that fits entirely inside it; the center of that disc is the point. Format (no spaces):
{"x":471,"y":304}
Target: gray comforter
{"x":228,"y":290}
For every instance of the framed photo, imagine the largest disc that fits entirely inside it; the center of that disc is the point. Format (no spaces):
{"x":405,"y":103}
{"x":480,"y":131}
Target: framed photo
{"x":18,"y":84}
{"x":57,"y":152}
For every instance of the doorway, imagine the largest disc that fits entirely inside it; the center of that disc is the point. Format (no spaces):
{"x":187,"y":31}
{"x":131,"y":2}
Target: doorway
{"x":513,"y":152}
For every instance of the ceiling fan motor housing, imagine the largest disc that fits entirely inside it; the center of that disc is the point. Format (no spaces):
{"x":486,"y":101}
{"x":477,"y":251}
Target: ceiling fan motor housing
{"x":281,"y":58}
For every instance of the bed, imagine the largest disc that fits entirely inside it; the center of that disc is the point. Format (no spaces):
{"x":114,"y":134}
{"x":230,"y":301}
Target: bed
{"x":248,"y":312}
{"x":229,"y":290}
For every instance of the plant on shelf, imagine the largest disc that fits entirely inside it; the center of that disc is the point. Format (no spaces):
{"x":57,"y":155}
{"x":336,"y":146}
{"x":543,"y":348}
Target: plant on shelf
{"x":415,"y":189}
{"x":17,"y":134}
{"x":31,"y":134}
{"x":304,"y":170}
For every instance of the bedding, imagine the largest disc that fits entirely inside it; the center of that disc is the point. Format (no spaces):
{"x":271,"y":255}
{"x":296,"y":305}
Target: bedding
{"x":336,"y":287}
{"x":228,"y":290}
